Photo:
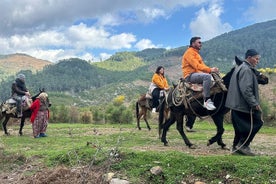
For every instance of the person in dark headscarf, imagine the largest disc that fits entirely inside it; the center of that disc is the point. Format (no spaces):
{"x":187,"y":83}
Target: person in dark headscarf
{"x":40,"y":115}
{"x":243,"y":100}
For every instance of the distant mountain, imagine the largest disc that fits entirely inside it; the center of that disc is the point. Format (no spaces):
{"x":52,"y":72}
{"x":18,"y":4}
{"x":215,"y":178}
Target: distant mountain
{"x":11,"y":64}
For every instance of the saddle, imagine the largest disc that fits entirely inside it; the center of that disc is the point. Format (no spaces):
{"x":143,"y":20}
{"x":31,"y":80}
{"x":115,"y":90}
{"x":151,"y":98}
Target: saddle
{"x":9,"y":106}
{"x":146,"y":99}
{"x":185,"y":92}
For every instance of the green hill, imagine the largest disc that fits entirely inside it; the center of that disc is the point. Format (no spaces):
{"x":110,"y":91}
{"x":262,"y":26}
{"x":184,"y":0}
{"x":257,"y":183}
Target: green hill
{"x":129,"y":73}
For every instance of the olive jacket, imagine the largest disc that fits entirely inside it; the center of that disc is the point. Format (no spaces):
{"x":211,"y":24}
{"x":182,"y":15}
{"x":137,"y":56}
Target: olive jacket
{"x":243,"y":92}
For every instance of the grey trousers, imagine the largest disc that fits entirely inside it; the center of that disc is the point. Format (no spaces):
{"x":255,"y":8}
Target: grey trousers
{"x":204,"y":79}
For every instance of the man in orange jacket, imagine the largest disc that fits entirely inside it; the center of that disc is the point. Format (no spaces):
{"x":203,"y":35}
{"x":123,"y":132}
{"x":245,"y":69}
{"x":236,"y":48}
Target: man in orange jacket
{"x":195,"y":70}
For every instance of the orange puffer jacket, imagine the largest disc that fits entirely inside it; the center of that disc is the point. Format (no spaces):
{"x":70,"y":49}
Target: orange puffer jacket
{"x":160,"y":81}
{"x":193,"y":63}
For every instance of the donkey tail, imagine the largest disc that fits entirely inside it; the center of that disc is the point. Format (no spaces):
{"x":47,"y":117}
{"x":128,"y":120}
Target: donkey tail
{"x":137,"y":109}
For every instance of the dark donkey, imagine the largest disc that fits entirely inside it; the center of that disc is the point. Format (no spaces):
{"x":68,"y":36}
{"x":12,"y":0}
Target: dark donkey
{"x":196,"y":109}
{"x":26,"y":114}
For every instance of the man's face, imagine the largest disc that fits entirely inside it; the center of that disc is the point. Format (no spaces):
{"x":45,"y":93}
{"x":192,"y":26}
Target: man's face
{"x":254,"y":60}
{"x":197,"y":44}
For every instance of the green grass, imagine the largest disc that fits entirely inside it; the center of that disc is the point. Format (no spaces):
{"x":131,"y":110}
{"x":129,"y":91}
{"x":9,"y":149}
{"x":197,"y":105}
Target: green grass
{"x":138,"y":151}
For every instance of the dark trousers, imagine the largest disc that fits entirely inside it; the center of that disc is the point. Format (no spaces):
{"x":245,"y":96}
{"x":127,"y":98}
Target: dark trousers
{"x":245,"y":127}
{"x":155,"y":97}
{"x":18,"y":100}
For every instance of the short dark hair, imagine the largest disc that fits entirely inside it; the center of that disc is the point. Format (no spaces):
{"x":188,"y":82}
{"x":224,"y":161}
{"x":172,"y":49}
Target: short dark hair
{"x":193,"y":39}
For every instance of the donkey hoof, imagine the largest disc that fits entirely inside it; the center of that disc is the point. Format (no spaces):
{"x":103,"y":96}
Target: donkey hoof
{"x":224,"y":147}
{"x":20,"y":133}
{"x":209,"y":143}
{"x":192,"y":146}
{"x":165,"y":142}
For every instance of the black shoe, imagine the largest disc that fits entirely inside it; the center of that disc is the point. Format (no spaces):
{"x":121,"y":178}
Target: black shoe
{"x":235,"y":151}
{"x":245,"y":150}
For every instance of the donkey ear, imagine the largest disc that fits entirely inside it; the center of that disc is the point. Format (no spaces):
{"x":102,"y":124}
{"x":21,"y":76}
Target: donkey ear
{"x":41,"y":90}
{"x":238,"y":61}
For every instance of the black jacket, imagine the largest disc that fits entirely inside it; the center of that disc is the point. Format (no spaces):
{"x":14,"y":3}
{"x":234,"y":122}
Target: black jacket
{"x":18,"y":88}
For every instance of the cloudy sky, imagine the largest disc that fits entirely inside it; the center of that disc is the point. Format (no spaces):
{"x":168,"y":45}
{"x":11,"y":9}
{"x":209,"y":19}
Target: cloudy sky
{"x":95,"y":29}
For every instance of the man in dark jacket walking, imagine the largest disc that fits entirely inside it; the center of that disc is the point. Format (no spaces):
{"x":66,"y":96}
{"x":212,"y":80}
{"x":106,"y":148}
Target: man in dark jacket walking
{"x":243,"y":100}
{"x":18,"y":91}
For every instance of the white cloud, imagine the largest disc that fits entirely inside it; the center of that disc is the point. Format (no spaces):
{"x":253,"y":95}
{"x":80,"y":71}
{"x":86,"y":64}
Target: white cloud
{"x":71,"y":42}
{"x":103,"y":56}
{"x":261,"y":10}
{"x":208,"y":24}
{"x":26,"y":15}
{"x":144,"y":44}
{"x":59,"y":29}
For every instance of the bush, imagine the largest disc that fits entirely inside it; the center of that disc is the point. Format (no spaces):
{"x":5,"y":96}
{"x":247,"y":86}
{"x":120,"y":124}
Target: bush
{"x":86,"y":117}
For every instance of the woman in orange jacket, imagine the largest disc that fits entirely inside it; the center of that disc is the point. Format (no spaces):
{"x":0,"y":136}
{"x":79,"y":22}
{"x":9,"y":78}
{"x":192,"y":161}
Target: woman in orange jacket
{"x":40,"y":115}
{"x":159,"y":83}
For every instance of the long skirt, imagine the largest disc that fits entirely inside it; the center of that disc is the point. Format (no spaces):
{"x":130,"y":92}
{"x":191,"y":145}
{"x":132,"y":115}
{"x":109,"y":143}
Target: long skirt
{"x":40,"y":123}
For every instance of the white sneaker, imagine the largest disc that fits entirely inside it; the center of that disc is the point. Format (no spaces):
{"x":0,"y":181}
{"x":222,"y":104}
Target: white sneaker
{"x":153,"y":110}
{"x":209,"y":105}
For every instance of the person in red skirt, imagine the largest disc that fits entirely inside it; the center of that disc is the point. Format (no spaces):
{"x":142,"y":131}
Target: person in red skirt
{"x":40,"y":115}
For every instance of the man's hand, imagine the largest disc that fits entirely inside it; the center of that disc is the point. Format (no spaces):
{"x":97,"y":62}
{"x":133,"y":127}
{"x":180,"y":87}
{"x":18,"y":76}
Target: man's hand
{"x":258,"y":108}
{"x":27,"y":93}
{"x":214,"y":69}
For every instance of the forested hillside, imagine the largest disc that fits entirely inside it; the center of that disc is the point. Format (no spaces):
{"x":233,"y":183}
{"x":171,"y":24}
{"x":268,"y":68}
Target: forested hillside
{"x":129,"y":73}
{"x":74,"y":76}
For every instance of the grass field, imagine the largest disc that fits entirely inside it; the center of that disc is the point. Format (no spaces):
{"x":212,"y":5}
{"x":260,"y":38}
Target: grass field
{"x":84,"y":153}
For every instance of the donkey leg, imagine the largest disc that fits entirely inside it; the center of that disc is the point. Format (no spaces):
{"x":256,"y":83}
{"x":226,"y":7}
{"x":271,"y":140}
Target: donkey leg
{"x":145,"y":118}
{"x":144,"y":112}
{"x":22,"y":123}
{"x":180,"y":127}
{"x":138,"y":116}
{"x":166,"y":127}
{"x":4,"y":124}
{"x":218,"y":120}
{"x":138,"y":122}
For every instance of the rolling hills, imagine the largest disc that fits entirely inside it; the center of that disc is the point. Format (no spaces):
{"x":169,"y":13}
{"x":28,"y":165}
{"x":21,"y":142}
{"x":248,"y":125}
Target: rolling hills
{"x":129,"y":73}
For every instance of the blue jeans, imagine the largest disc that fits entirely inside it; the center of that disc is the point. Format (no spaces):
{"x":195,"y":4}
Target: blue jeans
{"x":204,"y":79}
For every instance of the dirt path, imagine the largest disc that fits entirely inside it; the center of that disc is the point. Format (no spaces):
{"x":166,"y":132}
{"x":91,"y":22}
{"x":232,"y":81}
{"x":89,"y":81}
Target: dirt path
{"x":263,"y":144}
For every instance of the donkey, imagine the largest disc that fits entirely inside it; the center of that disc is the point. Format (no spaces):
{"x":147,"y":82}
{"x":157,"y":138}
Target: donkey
{"x":143,"y":105}
{"x":8,"y":109}
{"x":195,"y":108}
